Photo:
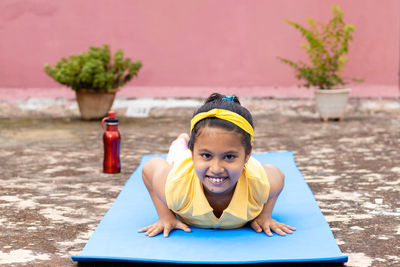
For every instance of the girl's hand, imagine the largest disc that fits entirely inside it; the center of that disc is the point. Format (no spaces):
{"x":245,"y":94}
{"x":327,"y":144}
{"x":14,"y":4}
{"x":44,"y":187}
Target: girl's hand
{"x":164,"y":225}
{"x":267,"y":225}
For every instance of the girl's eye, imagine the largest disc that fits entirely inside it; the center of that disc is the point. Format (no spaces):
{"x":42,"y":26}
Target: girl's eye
{"x":206,"y":156}
{"x":230,"y":157}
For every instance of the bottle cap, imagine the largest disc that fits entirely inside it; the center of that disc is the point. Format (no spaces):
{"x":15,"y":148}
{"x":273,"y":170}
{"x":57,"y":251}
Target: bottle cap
{"x":111,"y":114}
{"x":110,"y":119}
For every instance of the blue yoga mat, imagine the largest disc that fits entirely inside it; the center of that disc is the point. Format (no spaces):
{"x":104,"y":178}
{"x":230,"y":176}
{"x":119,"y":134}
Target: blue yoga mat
{"x":116,"y":237}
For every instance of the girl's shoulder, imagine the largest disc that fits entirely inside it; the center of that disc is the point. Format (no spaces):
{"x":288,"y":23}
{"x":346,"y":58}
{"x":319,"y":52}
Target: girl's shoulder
{"x":257,"y":179}
{"x":255,"y":170}
{"x":178,"y":185}
{"x":182,"y":166}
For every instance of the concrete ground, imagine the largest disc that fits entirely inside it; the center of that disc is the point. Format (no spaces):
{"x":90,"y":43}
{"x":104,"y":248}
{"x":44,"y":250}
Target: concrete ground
{"x":53,"y":192}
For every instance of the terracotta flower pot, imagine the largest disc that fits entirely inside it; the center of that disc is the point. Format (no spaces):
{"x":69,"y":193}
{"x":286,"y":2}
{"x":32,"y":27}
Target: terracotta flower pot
{"x":331,"y":103}
{"x":93,"y":104}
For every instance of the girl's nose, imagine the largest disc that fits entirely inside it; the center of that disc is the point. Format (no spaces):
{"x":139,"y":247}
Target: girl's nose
{"x":216,"y":167}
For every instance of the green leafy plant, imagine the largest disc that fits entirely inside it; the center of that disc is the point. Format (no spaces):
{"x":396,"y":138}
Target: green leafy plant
{"x":95,"y":70}
{"x":326,"y":47}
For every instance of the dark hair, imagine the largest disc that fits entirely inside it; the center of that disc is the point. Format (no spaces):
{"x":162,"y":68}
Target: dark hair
{"x":219,"y":101}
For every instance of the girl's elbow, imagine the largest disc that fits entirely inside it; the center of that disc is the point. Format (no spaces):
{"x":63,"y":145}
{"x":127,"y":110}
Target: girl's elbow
{"x":275,"y":171}
{"x":276,"y":179}
{"x":281,"y":174}
{"x":148,"y":172}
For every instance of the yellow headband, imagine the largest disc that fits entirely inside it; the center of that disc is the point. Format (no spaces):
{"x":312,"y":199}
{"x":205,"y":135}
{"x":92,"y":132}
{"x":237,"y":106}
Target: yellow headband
{"x":224,"y":115}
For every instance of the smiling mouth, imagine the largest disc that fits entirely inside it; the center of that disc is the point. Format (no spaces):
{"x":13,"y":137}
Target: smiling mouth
{"x":216,"y":180}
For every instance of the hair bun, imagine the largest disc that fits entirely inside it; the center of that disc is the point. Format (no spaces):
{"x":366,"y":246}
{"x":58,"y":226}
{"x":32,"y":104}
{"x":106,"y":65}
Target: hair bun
{"x":217,"y":96}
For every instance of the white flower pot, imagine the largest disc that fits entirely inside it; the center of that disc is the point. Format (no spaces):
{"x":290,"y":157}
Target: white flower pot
{"x":331,"y":103}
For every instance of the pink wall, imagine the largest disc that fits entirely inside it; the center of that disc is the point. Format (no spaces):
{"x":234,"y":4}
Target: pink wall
{"x":191,"y":48}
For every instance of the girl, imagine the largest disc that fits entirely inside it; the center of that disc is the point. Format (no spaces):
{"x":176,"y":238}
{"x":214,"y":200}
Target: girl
{"x":215,"y":183}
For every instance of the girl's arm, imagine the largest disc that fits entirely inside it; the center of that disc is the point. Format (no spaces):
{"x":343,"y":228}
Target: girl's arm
{"x":155,"y":173}
{"x":264,"y":222}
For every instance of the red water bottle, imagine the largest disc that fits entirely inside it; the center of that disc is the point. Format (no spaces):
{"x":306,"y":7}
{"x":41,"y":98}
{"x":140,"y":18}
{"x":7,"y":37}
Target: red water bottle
{"x":112,"y":141}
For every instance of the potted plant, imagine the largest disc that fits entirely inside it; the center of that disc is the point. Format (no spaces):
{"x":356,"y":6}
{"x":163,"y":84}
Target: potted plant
{"x":326,"y":48}
{"x":95,"y":77}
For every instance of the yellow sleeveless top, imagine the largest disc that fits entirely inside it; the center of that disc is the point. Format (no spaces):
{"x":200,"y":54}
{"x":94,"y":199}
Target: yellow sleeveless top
{"x":185,"y":196}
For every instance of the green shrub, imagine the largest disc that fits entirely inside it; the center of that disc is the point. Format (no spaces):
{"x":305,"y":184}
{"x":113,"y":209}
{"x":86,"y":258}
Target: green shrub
{"x":326,"y":47}
{"x":94,"y":70}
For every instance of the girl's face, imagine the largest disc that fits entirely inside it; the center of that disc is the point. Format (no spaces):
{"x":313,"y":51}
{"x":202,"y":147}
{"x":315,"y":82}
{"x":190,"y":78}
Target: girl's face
{"x":219,"y":157}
